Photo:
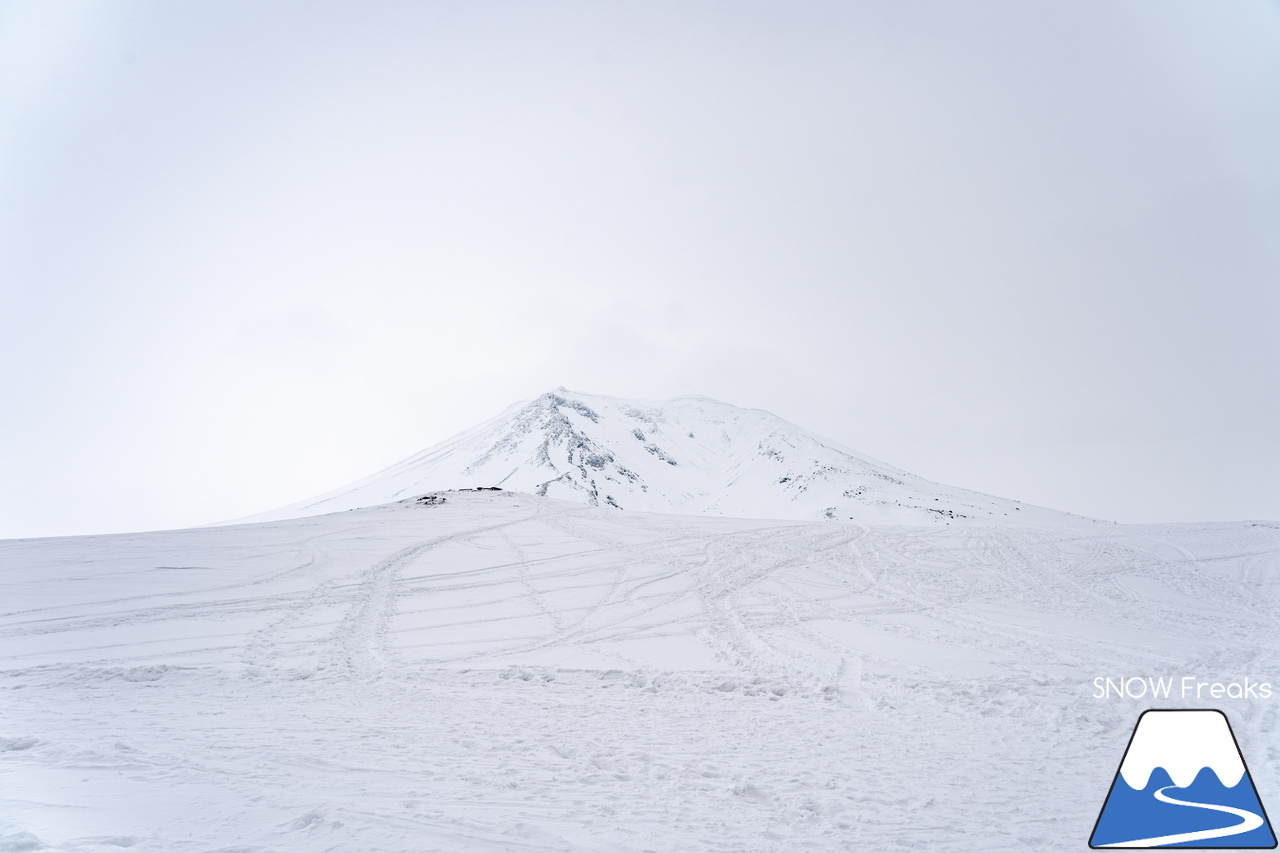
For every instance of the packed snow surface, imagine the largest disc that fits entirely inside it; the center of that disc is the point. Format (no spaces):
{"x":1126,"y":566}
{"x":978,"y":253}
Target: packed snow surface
{"x":491,"y":671}
{"x":688,"y":455}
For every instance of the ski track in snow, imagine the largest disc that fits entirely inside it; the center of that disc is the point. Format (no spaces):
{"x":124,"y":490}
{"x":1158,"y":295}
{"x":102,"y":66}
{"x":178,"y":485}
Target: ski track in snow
{"x":504,"y":672}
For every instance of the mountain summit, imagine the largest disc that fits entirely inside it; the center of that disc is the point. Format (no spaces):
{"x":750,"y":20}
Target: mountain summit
{"x":690,"y":455}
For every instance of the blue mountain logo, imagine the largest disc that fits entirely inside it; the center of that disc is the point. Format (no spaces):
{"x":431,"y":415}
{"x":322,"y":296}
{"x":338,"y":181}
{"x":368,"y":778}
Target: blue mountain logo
{"x":1183,"y":783}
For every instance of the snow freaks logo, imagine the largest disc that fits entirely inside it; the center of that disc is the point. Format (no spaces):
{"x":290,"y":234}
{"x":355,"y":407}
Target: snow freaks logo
{"x":1183,"y":783}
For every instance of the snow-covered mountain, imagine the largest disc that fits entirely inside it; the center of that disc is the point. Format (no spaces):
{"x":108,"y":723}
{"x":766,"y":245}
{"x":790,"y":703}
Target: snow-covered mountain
{"x":689,"y":455}
{"x":492,"y":670}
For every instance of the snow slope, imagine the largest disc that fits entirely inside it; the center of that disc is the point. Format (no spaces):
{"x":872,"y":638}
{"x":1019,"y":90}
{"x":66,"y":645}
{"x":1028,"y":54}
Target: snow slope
{"x":687,"y":455}
{"x":492,"y":671}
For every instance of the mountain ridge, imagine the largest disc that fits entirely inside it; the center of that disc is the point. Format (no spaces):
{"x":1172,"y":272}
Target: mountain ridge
{"x":690,"y":454}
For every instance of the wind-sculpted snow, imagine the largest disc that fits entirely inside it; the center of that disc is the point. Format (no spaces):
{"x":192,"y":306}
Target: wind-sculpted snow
{"x":687,"y":455}
{"x":489,"y":671}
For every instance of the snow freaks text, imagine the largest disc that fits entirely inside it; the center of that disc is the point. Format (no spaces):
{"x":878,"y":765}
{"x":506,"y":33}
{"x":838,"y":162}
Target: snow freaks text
{"x":1173,"y":687}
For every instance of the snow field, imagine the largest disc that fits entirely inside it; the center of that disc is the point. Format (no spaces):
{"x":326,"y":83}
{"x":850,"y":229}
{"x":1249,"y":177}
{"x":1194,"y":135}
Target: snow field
{"x":507,"y":672}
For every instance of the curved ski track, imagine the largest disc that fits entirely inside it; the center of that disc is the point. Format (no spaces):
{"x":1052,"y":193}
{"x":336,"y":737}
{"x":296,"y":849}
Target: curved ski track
{"x":499,"y":671}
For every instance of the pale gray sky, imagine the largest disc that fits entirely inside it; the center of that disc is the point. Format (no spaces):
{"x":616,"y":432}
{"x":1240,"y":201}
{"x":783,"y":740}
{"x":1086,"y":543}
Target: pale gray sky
{"x":250,"y":252}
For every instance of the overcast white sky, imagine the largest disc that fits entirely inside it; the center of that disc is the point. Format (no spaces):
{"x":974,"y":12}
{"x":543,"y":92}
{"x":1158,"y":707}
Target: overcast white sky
{"x":250,"y":252}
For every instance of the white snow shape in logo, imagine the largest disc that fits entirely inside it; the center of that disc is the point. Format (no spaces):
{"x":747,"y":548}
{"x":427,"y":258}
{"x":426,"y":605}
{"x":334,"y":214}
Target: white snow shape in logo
{"x":1183,"y":743}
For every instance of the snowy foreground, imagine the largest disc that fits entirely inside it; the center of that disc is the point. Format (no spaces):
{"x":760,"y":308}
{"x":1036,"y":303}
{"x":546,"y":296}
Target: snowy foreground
{"x":507,"y":672}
